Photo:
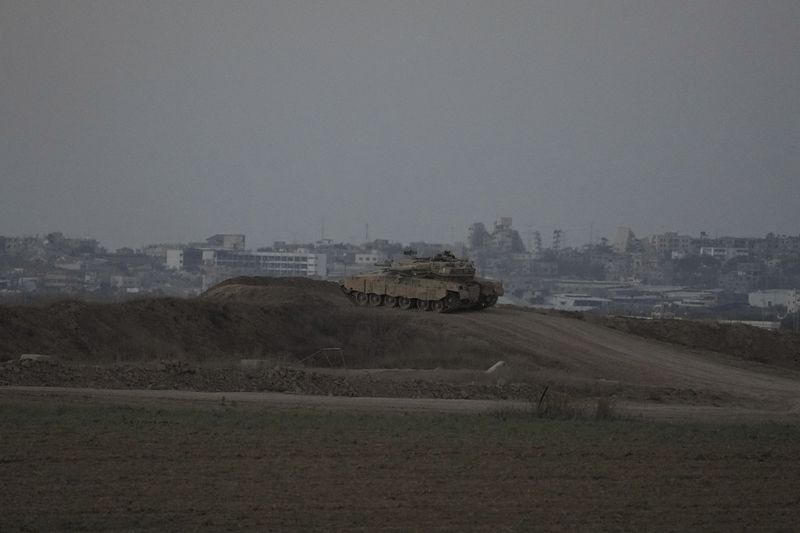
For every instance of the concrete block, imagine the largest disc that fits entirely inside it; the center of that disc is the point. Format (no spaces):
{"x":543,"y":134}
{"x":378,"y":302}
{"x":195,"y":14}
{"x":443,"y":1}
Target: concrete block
{"x":35,"y":357}
{"x":495,"y":367}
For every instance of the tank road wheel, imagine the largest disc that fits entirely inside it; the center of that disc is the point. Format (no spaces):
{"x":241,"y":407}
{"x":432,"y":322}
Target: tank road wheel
{"x":404,"y":303}
{"x":374,"y":300}
{"x":423,"y":305}
{"x":438,"y":306}
{"x":361,"y":298}
{"x":389,"y":301}
{"x":452,"y":302}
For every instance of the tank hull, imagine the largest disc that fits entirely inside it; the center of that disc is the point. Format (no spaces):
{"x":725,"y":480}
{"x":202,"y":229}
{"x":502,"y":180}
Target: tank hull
{"x":424,"y":291}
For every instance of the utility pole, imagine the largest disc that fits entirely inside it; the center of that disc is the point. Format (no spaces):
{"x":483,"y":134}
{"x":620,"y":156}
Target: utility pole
{"x":796,"y":312}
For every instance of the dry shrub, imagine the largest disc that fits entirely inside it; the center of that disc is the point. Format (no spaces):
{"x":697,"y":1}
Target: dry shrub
{"x":554,"y":404}
{"x":562,"y":406}
{"x":604,"y":410}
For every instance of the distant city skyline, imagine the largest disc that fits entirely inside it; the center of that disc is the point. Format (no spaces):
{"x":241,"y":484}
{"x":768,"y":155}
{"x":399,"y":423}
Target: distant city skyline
{"x":253,"y":242}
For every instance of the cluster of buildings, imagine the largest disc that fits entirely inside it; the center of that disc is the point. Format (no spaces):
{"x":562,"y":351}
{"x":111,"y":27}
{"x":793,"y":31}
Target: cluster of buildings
{"x":53,"y":264}
{"x":668,"y":274}
{"x":32,"y":267}
{"x":225,"y":255}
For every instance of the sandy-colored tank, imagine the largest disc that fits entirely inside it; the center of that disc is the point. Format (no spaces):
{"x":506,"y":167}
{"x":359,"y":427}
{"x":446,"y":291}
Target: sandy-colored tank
{"x":441,"y":283}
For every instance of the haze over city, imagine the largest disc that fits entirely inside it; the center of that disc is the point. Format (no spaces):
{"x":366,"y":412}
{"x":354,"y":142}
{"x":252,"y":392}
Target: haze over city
{"x":137,"y":122}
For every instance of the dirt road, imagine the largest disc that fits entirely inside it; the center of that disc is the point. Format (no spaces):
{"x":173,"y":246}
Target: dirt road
{"x":264,"y":400}
{"x":597,"y":353}
{"x":272,"y":401}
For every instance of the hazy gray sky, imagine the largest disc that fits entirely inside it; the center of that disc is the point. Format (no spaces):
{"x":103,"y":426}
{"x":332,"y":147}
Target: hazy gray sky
{"x":171,"y":120}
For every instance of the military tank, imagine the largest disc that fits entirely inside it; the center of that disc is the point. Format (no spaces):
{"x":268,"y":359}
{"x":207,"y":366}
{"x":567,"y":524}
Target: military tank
{"x":443,"y":283}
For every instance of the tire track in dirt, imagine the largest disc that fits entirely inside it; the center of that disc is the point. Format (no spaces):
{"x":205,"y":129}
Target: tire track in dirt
{"x":269,"y":400}
{"x":276,"y":401}
{"x":600,"y":353}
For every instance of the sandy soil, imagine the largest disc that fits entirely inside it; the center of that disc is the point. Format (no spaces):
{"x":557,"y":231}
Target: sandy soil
{"x":71,"y":463}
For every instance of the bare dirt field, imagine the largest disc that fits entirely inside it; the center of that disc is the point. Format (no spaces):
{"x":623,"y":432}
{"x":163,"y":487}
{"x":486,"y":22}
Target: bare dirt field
{"x":146,"y":418}
{"x":81,"y":463}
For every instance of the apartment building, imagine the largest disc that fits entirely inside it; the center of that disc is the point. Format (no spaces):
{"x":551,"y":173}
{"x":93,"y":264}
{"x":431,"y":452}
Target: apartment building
{"x":273,"y":263}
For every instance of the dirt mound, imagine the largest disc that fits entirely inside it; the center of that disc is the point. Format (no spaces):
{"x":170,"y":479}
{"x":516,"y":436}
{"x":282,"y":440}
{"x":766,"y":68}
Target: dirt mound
{"x":267,"y":291}
{"x":287,"y":321}
{"x":124,"y":331}
{"x":292,"y":321}
{"x":739,"y":340}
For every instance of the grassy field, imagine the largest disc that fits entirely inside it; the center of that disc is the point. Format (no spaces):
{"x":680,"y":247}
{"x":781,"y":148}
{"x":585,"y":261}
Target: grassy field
{"x":83,"y":466}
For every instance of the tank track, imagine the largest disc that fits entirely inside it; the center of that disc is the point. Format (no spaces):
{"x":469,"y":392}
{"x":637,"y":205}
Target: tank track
{"x":449,"y":304}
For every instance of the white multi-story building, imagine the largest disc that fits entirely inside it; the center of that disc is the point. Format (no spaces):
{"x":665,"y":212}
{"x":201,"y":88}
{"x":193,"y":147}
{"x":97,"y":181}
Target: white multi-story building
{"x":262,"y":263}
{"x":788,"y":298}
{"x":273,"y":263}
{"x":671,"y":242}
{"x":725,"y":254}
{"x":174,"y":258}
{"x":369,"y":258}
